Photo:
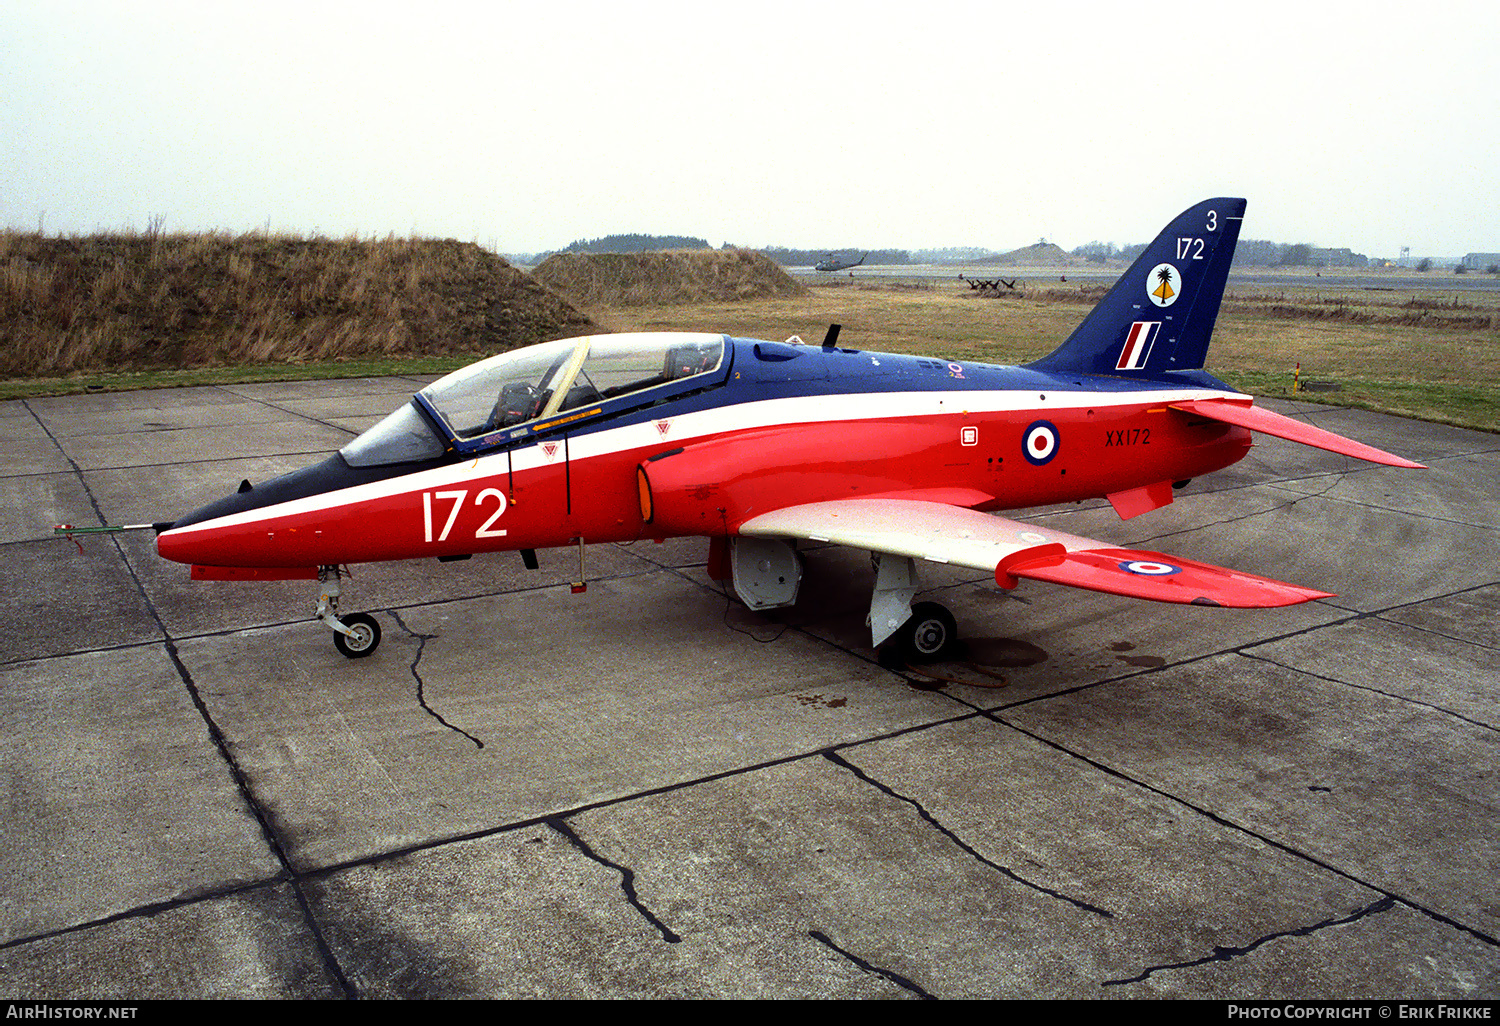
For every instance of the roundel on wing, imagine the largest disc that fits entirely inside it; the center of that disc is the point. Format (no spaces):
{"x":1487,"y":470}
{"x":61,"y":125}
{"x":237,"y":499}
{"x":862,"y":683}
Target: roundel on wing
{"x":1040,"y":442}
{"x":1150,"y":568}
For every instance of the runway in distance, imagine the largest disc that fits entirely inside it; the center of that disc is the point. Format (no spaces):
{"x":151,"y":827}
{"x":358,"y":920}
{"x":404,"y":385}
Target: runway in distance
{"x":758,"y":446}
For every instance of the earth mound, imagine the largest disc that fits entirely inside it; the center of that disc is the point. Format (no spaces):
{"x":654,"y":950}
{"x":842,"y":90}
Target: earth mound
{"x":665,"y":277}
{"x":1039,"y":254}
{"x":138,"y":302}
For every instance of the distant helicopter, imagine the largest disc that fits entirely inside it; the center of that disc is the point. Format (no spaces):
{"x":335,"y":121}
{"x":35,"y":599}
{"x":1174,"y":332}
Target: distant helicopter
{"x":834,"y":264}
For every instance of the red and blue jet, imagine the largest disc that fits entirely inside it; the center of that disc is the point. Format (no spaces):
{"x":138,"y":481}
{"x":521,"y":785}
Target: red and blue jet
{"x":760,"y":445}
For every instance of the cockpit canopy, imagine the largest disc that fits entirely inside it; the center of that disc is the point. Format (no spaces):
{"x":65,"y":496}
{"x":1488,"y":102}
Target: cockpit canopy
{"x":529,"y":385}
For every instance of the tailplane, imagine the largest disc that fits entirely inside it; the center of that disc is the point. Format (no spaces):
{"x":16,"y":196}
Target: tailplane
{"x":1160,"y":315}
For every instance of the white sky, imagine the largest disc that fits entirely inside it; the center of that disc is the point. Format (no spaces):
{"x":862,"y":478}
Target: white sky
{"x":526,"y":125}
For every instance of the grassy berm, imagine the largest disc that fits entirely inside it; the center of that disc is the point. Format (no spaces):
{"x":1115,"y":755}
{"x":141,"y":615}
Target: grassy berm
{"x":154,"y":301}
{"x":666,"y":277}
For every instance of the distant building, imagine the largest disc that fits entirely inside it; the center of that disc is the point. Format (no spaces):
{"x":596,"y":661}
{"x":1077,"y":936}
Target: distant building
{"x":1479,"y":261}
{"x":1261,"y":253}
{"x":1337,"y":258}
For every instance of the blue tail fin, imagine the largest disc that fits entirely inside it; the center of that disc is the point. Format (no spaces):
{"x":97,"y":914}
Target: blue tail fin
{"x":1160,"y":315}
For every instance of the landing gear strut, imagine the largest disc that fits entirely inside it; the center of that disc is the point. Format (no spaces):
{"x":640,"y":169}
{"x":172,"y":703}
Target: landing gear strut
{"x":355,"y":635}
{"x":902,"y":632}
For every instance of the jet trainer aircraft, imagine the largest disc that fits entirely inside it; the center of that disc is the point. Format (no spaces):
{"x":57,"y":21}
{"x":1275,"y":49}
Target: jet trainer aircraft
{"x":760,"y":445}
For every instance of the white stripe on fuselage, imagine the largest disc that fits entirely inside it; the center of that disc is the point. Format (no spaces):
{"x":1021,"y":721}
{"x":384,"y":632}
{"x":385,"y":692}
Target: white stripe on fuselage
{"x":686,"y":428}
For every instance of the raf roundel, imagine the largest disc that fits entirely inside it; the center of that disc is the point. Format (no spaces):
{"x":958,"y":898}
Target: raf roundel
{"x":1040,"y":442}
{"x":1148,"y":568}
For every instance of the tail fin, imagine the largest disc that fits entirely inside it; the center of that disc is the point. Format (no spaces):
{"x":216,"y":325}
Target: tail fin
{"x":1160,"y":315}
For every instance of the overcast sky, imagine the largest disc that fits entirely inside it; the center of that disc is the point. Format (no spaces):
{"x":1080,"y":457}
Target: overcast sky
{"x":524,"y":126}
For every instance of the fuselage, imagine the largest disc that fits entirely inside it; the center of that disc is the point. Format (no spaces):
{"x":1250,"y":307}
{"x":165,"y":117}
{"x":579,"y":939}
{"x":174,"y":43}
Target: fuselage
{"x":771,"y":425}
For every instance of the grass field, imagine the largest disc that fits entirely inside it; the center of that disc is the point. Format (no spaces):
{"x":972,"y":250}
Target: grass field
{"x":1433,"y":354}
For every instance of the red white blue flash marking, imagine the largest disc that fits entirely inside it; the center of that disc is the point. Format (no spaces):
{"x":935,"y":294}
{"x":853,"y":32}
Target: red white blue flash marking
{"x":1138,"y":345}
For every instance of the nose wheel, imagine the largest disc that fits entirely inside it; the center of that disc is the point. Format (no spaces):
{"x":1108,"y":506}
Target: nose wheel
{"x":363,"y":636}
{"x":355,"y":635}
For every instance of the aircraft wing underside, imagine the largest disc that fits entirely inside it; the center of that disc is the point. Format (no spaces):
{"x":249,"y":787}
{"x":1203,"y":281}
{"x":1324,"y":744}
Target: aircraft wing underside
{"x":1010,"y":549}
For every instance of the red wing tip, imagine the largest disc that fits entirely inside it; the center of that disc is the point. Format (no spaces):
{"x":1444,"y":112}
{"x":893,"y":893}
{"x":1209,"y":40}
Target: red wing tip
{"x":1290,"y":595}
{"x":1302,"y":594}
{"x":1313,"y":596}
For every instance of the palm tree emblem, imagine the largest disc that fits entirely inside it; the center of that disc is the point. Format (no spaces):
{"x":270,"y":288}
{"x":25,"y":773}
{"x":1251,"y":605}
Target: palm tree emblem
{"x":1166,"y":291}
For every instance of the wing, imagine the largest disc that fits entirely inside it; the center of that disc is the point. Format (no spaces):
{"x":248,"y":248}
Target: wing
{"x":947,"y":534}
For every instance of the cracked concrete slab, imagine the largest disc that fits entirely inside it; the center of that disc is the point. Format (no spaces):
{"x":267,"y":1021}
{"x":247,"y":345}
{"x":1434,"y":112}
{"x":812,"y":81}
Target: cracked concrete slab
{"x":807,"y":859}
{"x":536,"y":913}
{"x":1453,"y":488}
{"x":1393,"y":793}
{"x":1418,"y":958}
{"x":251,"y":944}
{"x":514,"y":706}
{"x":116,"y":795}
{"x":676,"y":797}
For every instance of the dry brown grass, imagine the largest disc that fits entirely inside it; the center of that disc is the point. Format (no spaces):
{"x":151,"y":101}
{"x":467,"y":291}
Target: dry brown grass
{"x":666,"y":277}
{"x":152,"y":300}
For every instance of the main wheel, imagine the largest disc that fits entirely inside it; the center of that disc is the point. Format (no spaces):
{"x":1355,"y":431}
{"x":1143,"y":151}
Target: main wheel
{"x":930,"y":635}
{"x":366,"y":635}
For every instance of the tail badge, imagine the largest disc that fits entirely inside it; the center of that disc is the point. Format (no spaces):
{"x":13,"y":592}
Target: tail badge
{"x":1163,"y":285}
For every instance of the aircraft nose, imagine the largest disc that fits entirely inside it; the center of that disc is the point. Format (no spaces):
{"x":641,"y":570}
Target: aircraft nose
{"x":232,"y":531}
{"x":329,"y":475}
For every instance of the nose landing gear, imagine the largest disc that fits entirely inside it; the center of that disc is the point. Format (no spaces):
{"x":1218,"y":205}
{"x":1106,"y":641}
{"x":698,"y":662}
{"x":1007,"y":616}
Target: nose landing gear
{"x":355,"y":635}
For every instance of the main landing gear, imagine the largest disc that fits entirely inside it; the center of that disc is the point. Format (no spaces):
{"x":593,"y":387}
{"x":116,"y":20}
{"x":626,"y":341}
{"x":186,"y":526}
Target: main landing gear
{"x":355,"y":635}
{"x":902,"y":631}
{"x":766,"y":573}
{"x":930,"y":636}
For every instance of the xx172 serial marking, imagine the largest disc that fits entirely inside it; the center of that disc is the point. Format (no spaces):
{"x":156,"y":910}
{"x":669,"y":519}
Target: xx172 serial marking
{"x":1127,"y":436}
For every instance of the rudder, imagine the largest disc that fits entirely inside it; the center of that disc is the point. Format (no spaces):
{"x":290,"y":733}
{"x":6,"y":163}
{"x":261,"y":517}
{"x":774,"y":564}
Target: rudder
{"x":1160,"y":315}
